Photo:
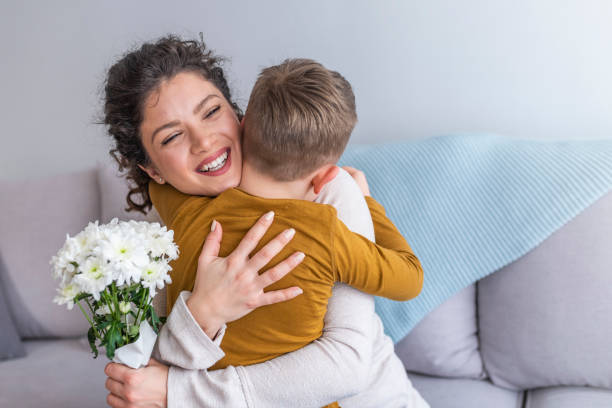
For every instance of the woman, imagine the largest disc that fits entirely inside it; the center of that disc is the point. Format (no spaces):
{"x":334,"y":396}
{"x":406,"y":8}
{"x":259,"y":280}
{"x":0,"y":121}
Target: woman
{"x":159,"y":135}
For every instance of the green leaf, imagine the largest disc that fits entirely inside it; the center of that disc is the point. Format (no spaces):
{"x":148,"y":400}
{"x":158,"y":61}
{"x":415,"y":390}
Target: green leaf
{"x":112,"y":341}
{"x":91,"y":337}
{"x":103,"y":325}
{"x":155,"y":321}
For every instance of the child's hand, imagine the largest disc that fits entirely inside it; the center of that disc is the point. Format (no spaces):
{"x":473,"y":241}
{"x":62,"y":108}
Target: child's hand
{"x":228,"y":288}
{"x":359,"y":178}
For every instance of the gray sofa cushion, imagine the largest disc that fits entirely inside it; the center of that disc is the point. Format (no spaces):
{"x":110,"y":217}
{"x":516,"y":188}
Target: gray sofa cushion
{"x":35,"y":218}
{"x":445,"y":342}
{"x":56,"y":374}
{"x":10,"y":342}
{"x":463,"y":393}
{"x":569,"y":397}
{"x":545,"y":320}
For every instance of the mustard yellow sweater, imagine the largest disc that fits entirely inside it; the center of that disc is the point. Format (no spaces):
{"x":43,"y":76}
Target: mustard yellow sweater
{"x":333,"y":254}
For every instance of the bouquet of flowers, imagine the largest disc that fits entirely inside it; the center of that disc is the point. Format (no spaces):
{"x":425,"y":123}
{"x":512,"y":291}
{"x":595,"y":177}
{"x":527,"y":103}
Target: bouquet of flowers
{"x":111,"y":272}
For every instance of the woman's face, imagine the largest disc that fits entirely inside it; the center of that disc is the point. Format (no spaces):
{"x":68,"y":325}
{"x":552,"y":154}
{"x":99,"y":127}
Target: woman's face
{"x":192,"y":136}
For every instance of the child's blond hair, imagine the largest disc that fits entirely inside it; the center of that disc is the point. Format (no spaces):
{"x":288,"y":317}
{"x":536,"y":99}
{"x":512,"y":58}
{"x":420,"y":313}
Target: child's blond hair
{"x":299,"y":117}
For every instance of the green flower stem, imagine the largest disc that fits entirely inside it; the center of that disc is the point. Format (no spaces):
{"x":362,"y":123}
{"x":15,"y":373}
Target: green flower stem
{"x":140,"y":306}
{"x":89,"y":320}
{"x":89,"y":306}
{"x":101,"y":333}
{"x":108,"y":300}
{"x":115,"y":302}
{"x":127,"y":324}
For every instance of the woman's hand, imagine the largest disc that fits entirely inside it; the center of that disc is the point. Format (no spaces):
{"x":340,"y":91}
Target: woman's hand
{"x":359,"y":178}
{"x":130,"y":388}
{"x":228,"y":288}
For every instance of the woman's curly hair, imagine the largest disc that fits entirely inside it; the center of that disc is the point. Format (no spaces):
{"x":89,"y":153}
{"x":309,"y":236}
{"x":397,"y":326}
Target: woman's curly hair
{"x":129,"y":83}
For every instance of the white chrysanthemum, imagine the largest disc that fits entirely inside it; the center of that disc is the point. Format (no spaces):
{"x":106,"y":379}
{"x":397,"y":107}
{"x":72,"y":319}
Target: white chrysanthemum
{"x":63,"y":261}
{"x":66,"y":295}
{"x":125,"y":272}
{"x":94,"y":276}
{"x":125,"y":255}
{"x":124,"y":248}
{"x":162,"y":244}
{"x":155,"y":275}
{"x":145,"y":228}
{"x":87,"y":239}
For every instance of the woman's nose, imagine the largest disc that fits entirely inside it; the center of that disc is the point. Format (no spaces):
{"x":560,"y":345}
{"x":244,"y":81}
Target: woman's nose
{"x":200,"y":141}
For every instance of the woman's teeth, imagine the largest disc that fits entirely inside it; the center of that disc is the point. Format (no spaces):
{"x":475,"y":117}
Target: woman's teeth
{"x":215,"y":164}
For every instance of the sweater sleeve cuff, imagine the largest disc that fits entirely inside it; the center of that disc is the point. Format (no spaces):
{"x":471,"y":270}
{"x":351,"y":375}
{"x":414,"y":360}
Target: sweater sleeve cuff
{"x":193,"y":325}
{"x":183,"y":343}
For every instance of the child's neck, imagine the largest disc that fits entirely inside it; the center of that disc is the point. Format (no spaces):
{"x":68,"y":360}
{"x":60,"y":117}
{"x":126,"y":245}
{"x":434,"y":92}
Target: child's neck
{"x":260,"y":185}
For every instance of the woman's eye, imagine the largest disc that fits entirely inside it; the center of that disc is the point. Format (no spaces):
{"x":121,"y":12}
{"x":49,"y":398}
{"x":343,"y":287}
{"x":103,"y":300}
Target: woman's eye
{"x":166,"y":141}
{"x":212,"y":111}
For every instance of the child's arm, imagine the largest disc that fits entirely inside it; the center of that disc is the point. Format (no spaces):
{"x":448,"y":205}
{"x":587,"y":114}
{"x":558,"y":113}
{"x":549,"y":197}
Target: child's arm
{"x":392,"y":270}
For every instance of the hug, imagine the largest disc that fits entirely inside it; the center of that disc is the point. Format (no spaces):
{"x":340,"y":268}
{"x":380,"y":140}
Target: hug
{"x":212,"y":174}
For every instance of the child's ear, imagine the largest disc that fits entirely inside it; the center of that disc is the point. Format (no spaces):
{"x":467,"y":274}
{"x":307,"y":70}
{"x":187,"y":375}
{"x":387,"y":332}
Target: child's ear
{"x":324,"y":176}
{"x":153,"y":173}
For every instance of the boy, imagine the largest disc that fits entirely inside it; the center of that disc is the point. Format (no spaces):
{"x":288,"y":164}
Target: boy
{"x":297,"y":124}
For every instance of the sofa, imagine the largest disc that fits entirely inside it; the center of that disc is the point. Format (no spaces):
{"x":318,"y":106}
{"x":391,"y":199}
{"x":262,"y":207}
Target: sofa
{"x":536,"y":333}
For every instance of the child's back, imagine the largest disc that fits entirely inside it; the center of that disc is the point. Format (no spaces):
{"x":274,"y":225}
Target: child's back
{"x":333,"y":253}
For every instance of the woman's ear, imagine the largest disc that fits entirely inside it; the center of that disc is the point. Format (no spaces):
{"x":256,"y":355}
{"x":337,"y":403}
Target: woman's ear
{"x":153,"y":173}
{"x":324,"y":176}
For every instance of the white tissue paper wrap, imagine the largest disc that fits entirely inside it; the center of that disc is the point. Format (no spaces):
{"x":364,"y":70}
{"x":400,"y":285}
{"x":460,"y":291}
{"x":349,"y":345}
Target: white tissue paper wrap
{"x":138,"y":353}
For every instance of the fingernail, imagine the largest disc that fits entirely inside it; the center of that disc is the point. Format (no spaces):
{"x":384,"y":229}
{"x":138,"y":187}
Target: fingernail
{"x":269,"y":216}
{"x":298,"y":291}
{"x":213,"y":225}
{"x":289,"y":233}
{"x":300,"y":256}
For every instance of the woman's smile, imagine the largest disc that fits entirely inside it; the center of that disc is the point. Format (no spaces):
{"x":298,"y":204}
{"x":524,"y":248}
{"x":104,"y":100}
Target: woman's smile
{"x":217,"y":164}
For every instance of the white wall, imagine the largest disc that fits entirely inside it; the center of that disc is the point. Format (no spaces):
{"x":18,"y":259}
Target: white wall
{"x":537,"y":69}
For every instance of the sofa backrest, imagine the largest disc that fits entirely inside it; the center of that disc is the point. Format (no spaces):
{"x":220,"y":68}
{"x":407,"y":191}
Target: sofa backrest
{"x":546,"y":319}
{"x":35,"y":217}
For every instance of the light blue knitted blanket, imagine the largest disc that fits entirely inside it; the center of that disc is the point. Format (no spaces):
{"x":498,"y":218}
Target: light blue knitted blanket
{"x":470,"y":204}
